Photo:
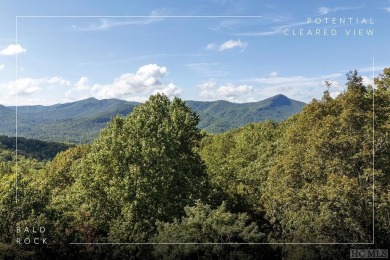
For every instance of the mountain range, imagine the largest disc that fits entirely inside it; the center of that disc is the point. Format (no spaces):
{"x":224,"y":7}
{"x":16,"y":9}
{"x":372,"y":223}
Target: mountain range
{"x":81,"y":121}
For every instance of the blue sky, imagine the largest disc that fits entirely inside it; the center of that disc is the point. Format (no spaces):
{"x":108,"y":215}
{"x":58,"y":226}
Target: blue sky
{"x":248,"y":50}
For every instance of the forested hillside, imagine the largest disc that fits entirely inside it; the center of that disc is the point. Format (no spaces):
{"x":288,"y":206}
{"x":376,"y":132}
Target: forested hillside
{"x":81,"y":121}
{"x":33,"y":148}
{"x":8,"y":121}
{"x":219,"y":116}
{"x":76,"y":122}
{"x":153,"y":179}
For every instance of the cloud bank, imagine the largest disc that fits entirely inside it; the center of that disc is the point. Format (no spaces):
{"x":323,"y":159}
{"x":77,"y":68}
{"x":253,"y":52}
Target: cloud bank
{"x":136,"y":86}
{"x":230,"y":92}
{"x":12,"y":49}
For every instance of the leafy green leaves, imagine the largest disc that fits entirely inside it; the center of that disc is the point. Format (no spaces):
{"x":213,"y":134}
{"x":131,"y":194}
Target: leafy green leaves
{"x":152,"y":176}
{"x":207,"y":226}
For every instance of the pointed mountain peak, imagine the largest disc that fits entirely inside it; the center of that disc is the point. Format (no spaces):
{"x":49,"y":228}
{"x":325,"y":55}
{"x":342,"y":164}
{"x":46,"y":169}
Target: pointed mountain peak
{"x":279,"y":100}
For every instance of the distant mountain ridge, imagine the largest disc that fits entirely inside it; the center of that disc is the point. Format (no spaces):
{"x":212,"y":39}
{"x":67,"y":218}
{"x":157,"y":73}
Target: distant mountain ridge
{"x":219,"y":116}
{"x":78,"y":109}
{"x":81,"y":121}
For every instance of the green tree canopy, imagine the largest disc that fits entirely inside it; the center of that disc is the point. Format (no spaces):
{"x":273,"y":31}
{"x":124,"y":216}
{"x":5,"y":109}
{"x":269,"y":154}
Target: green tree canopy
{"x":320,"y":188}
{"x":205,"y":225}
{"x":140,"y":170}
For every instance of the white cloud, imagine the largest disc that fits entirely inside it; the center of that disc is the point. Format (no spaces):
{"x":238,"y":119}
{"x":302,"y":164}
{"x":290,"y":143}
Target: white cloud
{"x":370,"y":69}
{"x":228,"y":24}
{"x":387,"y":9}
{"x":140,"y":99}
{"x":146,"y":78}
{"x":170,"y":90}
{"x":227,"y":45}
{"x":302,"y":88}
{"x":333,"y":84}
{"x":281,"y":81}
{"x":110,"y":23}
{"x":56,"y":81}
{"x":232,"y":44}
{"x":136,"y":86}
{"x":273,"y":74}
{"x":129,"y":86}
{"x":229,"y":91}
{"x":151,"y":71}
{"x":326,"y":10}
{"x":2,"y":66}
{"x":323,"y":10}
{"x":12,"y":49}
{"x":211,"y":46}
{"x":82,"y":83}
{"x":334,"y":88}
{"x":334,"y":94}
{"x":294,"y":81}
{"x":233,"y":91}
{"x":207,"y":85}
{"x":26,"y":88}
{"x":367,"y":81}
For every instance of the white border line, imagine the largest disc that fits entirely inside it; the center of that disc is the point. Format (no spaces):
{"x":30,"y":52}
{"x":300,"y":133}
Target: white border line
{"x":373,"y":151}
{"x":230,"y":243}
{"x":198,"y":16}
{"x":16,"y":115}
{"x":140,"y":16}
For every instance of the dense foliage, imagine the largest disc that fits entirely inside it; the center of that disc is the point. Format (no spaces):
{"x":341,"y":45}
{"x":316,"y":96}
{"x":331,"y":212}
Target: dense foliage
{"x":153,"y":180}
{"x":33,"y":148}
